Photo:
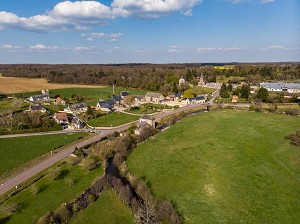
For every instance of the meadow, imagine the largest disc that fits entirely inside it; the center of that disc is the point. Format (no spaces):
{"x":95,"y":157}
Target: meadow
{"x":199,"y":90}
{"x":108,"y":209}
{"x":17,"y":151}
{"x":50,"y":194}
{"x":225,"y":167}
{"x":113,"y":119}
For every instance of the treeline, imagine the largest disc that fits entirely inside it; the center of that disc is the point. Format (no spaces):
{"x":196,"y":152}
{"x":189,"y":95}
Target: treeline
{"x":151,"y":76}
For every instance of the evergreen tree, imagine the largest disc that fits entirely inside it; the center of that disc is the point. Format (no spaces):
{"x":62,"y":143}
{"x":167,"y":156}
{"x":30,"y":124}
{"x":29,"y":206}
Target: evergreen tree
{"x":262,"y":94}
{"x":223,"y":91}
{"x":245,"y":91}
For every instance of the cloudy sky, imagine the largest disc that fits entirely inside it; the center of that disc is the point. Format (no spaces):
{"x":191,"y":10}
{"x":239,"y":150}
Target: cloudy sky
{"x":153,"y":31}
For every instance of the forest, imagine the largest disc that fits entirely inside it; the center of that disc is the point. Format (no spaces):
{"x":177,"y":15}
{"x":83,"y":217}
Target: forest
{"x":153,"y":76}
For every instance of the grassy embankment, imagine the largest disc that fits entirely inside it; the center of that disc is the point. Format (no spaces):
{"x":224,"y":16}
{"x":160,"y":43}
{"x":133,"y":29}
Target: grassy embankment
{"x":225,"y":167}
{"x":108,"y":209}
{"x":17,"y":151}
{"x":50,"y":194}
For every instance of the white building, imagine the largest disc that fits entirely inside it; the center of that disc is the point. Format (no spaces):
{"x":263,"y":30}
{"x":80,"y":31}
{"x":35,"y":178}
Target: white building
{"x":281,"y":86}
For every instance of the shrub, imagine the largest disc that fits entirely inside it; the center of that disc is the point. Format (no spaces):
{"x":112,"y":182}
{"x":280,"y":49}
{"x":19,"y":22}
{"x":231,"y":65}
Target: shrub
{"x":294,"y":138}
{"x":69,"y":181}
{"x":54,"y":173}
{"x":292,"y":112}
{"x":34,"y":189}
{"x":89,"y":163}
{"x":9,"y":209}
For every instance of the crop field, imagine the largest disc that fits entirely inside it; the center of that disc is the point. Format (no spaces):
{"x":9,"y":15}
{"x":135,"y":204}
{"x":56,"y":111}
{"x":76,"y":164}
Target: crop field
{"x":11,"y":85}
{"x":14,"y":152}
{"x":50,"y":194}
{"x":113,"y":119}
{"x":108,"y":209}
{"x":225,"y":167}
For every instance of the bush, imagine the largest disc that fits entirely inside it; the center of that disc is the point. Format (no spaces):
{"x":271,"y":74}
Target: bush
{"x":54,"y":173}
{"x":89,"y":163}
{"x":62,"y":214}
{"x":70,"y":181}
{"x":9,"y":209}
{"x":34,"y":189}
{"x":292,"y":112}
{"x":294,"y":138}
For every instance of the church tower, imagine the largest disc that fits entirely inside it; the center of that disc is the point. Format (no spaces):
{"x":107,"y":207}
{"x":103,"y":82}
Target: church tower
{"x":201,"y":81}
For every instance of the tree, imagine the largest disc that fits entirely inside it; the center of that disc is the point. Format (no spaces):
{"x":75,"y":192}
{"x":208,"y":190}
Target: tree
{"x":188,"y":93}
{"x":245,"y":91}
{"x":262,"y":94}
{"x":229,"y":87}
{"x":223,"y":91}
{"x":128,"y":100}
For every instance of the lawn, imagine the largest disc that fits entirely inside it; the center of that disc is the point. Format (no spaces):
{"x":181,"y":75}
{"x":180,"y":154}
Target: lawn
{"x":225,"y":167}
{"x":14,"y":152}
{"x":108,"y":209}
{"x":112,"y":120}
{"x":199,"y":90}
{"x":51,"y":194}
{"x":91,"y":95}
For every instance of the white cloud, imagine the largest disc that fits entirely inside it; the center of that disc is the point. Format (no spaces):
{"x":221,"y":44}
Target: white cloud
{"x":277,"y":47}
{"x":266,"y":1}
{"x":42,"y":47}
{"x":9,"y":47}
{"x":113,"y":40}
{"x":80,"y":49}
{"x":152,"y":8}
{"x":79,"y":15}
{"x":211,"y":49}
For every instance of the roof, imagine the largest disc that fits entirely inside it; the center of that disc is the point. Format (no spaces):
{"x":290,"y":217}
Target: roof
{"x":172,"y":96}
{"x":117,"y":98}
{"x":178,"y":95}
{"x":110,"y":101}
{"x":36,"y":107}
{"x":61,"y":116}
{"x":104,"y":104}
{"x":280,"y":85}
{"x":199,"y":98}
{"x":148,"y":117}
{"x":124,"y":93}
{"x":41,"y":96}
{"x":78,"y":106}
{"x":155,"y":95}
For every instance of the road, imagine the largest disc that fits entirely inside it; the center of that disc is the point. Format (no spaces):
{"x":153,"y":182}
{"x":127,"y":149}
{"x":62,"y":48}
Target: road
{"x":32,"y":171}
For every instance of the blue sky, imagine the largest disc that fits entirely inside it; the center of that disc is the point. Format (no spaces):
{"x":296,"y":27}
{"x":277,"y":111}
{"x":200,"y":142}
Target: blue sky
{"x":152,"y":31}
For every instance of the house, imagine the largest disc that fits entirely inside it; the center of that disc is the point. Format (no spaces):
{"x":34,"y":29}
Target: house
{"x":144,"y":121}
{"x":77,"y":123}
{"x":124,"y":93}
{"x":171,"y":97}
{"x":150,"y":120}
{"x":154,"y":97}
{"x":181,"y":81}
{"x":61,"y":118}
{"x":82,"y":107}
{"x":118,"y":100}
{"x":178,"y":97}
{"x":45,"y":91}
{"x":41,"y":97}
{"x":59,"y":100}
{"x":281,"y":86}
{"x":37,"y":109}
{"x":105,"y":105}
{"x":197,"y":99}
{"x":234,"y":99}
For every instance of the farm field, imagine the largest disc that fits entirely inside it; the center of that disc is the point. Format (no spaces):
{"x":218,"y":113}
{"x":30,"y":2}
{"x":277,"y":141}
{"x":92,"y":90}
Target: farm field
{"x":225,"y":167}
{"x":9,"y":85}
{"x":113,"y":119}
{"x":17,"y":151}
{"x":51,"y":193}
{"x":108,"y":209}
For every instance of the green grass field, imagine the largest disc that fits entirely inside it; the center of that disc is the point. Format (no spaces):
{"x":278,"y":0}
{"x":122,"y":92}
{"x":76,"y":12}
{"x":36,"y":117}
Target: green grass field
{"x":199,"y":90}
{"x":16,"y":151}
{"x":51,"y":194}
{"x":112,"y":120}
{"x":91,"y":95}
{"x":225,"y":167}
{"x":108,"y":209}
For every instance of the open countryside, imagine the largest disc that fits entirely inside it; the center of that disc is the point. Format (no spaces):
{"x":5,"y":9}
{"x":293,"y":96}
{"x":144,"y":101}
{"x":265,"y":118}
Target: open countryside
{"x":236,"y":167}
{"x":10,"y":85}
